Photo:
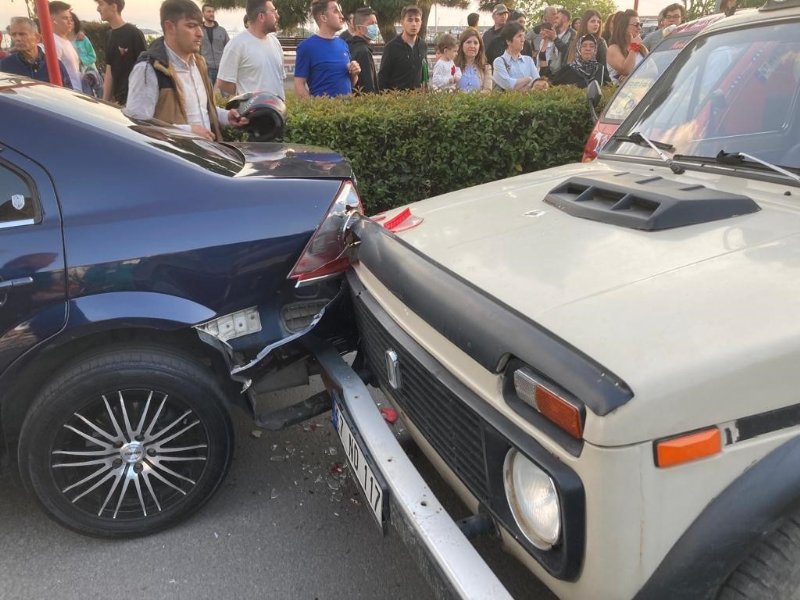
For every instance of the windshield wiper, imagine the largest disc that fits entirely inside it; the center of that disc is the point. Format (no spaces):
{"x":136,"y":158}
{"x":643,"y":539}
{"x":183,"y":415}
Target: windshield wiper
{"x":640,"y":139}
{"x":737,"y":159}
{"x":742,"y":158}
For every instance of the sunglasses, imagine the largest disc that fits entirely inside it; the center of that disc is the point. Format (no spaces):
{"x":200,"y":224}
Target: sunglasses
{"x":637,"y":25}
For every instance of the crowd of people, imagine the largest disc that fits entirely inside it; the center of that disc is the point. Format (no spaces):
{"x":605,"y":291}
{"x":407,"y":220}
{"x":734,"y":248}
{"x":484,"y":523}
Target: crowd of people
{"x":176,"y":78}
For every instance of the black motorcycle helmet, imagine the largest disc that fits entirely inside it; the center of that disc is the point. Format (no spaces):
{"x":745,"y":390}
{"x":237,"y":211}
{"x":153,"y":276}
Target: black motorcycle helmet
{"x":265,"y":112}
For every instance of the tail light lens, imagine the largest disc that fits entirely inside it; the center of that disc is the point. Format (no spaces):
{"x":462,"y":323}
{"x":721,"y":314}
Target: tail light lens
{"x":324,"y":255}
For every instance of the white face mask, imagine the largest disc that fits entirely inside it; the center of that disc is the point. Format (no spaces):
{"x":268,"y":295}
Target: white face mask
{"x":373,"y":32}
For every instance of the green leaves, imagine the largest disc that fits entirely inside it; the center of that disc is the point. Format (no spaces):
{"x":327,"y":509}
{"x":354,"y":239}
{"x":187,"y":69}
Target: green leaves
{"x":406,"y":146}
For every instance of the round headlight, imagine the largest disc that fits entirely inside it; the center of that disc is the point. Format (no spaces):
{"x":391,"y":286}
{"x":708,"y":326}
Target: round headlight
{"x":533,"y":499}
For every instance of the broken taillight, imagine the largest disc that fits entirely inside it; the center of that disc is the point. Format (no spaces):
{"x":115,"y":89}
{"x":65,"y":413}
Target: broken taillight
{"x":324,"y":255}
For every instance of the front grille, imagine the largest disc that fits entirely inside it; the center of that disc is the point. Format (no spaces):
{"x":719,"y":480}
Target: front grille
{"x":451,"y":427}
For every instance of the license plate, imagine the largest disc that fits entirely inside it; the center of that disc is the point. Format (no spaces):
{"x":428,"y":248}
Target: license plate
{"x":372,"y":486}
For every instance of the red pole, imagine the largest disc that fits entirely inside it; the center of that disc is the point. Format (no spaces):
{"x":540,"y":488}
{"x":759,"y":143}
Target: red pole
{"x":636,"y":6}
{"x":50,"y":53}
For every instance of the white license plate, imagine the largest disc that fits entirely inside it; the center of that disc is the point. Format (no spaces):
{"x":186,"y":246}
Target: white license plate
{"x":359,"y":467}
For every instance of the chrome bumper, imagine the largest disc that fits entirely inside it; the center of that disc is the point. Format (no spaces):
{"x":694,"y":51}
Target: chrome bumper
{"x":446,"y":558}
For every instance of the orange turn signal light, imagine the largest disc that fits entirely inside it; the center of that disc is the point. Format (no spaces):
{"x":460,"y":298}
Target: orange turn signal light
{"x":689,"y":447}
{"x":559,"y":411}
{"x":550,"y":404}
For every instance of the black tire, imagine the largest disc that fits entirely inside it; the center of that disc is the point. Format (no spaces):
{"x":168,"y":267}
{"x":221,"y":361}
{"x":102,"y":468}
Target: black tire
{"x":772,"y":570}
{"x":156,"y":467}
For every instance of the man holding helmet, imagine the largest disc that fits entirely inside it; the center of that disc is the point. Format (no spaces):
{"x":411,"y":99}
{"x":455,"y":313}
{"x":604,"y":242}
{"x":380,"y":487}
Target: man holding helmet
{"x":170,"y":81}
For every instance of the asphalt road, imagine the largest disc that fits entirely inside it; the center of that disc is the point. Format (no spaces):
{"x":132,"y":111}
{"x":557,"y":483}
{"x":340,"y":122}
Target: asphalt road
{"x":286,"y":524}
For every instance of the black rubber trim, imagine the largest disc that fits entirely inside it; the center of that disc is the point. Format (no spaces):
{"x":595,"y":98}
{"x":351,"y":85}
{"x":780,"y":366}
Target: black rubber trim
{"x":729,"y":528}
{"x":774,"y":420}
{"x":480,"y":325}
{"x":500,"y":434}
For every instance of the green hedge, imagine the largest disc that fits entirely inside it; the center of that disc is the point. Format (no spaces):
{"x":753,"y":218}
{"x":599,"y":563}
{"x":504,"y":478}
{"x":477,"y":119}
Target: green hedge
{"x":98,"y":34}
{"x":409,"y":146}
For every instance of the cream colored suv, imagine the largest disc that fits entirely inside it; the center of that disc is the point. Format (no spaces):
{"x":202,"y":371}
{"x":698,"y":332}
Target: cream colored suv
{"x":603,"y":359}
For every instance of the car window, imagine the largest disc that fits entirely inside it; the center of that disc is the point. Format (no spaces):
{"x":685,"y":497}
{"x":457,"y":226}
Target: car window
{"x":735,"y":90}
{"x":637,"y":85}
{"x":17,"y":203}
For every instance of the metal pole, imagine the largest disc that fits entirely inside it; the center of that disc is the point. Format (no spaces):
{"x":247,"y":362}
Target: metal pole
{"x":50,"y":53}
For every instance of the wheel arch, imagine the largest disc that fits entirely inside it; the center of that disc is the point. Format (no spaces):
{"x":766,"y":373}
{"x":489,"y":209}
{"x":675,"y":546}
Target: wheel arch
{"x":729,"y":528}
{"x":20,"y":384}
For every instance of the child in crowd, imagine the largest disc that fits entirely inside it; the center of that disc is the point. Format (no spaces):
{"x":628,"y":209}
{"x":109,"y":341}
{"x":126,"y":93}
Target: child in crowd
{"x":446,"y":74}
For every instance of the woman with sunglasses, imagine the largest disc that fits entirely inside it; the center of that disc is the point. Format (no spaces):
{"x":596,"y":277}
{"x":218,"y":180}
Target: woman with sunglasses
{"x":627,"y":48}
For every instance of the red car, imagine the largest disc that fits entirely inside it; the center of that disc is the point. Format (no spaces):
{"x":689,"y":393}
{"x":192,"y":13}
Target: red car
{"x":641,"y":80}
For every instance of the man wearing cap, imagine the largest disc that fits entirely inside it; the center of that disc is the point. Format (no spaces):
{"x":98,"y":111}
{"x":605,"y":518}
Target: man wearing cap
{"x":499,"y":44}
{"x":499,"y":16}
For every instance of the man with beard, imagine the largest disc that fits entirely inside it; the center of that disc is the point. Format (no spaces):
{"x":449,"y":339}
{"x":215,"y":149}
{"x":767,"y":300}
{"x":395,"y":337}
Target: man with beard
{"x":214,"y":41}
{"x":253,"y":60}
{"x":170,"y":81}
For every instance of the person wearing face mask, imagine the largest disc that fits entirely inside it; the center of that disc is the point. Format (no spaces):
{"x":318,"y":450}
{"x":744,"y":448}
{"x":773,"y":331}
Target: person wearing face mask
{"x":365,"y":25}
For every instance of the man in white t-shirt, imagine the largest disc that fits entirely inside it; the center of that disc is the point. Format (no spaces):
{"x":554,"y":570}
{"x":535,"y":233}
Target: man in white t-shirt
{"x":62,"y":26}
{"x":253,"y":60}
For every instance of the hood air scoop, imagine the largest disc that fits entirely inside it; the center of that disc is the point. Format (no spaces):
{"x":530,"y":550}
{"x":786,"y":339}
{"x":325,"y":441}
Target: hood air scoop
{"x":646,"y":203}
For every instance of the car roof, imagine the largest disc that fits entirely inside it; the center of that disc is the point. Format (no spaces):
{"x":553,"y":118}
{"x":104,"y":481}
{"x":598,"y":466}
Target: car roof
{"x":772,"y":10}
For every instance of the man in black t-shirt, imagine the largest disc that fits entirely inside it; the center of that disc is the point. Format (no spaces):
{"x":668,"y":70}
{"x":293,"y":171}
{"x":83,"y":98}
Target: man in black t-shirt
{"x":125,"y":43}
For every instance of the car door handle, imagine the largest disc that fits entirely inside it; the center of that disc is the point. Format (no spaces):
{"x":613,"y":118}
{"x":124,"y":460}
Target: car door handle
{"x":14,"y":283}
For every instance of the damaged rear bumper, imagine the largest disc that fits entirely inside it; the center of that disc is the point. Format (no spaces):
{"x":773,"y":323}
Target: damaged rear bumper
{"x":447,"y":559}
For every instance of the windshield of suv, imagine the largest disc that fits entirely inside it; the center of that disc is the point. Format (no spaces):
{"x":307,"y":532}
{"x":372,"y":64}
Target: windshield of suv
{"x":734,"y":91}
{"x":642,"y":79}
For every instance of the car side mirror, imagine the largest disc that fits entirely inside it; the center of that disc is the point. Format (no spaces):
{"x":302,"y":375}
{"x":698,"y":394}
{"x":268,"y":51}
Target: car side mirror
{"x":593,"y":95}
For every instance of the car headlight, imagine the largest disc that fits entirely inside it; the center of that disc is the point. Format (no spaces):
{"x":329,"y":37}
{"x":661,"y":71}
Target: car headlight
{"x":533,"y":499}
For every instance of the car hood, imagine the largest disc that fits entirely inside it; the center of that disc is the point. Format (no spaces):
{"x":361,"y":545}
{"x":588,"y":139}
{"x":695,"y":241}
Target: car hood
{"x":292,"y":161}
{"x":674,"y":313}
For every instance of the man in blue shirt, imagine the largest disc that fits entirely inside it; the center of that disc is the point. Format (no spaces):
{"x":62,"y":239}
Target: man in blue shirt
{"x":26,"y":57}
{"x":323,"y":66}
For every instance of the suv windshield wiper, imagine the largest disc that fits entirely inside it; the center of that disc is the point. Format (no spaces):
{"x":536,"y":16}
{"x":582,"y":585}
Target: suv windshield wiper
{"x":735,"y":159}
{"x":741,"y":158}
{"x":640,"y":139}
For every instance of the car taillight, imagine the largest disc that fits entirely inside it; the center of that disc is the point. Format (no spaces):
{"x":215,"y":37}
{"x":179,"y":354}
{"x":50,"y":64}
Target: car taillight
{"x":324,"y":255}
{"x":601,"y":133}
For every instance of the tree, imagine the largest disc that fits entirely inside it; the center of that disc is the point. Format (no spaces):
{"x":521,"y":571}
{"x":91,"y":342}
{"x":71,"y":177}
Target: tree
{"x":427,"y":5}
{"x":29,"y":6}
{"x":699,"y":8}
{"x":533,"y":8}
{"x":294,"y":13}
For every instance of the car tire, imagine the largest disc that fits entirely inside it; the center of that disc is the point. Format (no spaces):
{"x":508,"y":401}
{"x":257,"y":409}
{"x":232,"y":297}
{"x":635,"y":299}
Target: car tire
{"x":126,"y":442}
{"x":772,"y":570}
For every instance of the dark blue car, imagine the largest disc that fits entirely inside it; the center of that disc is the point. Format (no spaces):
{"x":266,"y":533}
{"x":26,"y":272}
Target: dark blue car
{"x":148,"y":280}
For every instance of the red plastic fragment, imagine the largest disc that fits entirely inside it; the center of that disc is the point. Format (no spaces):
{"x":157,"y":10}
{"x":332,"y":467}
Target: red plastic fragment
{"x":403,"y":221}
{"x":397,"y":219}
{"x":389,"y":415}
{"x":336,"y":469}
